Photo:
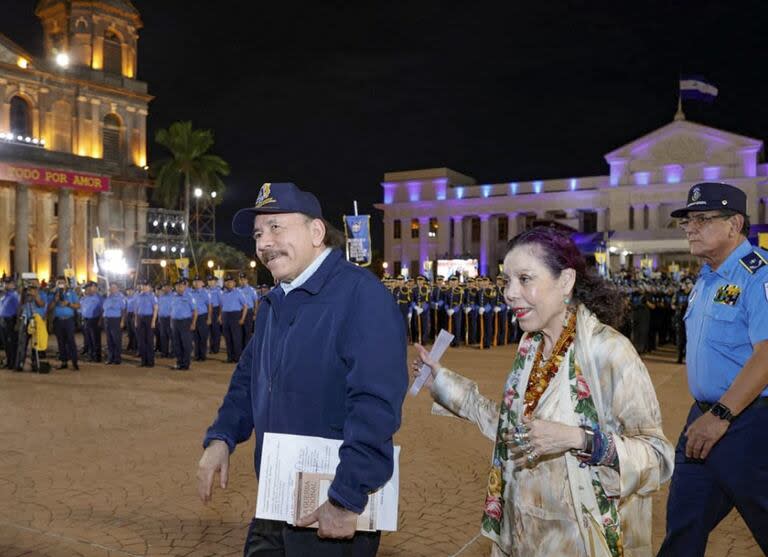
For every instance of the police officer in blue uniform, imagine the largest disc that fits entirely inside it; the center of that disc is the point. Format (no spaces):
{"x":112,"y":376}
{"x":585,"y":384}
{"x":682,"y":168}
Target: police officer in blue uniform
{"x":64,"y":303}
{"x":251,"y":298}
{"x":130,"y":319}
{"x":183,"y":323}
{"x":146,"y":321}
{"x":500,"y":311}
{"x":420,"y":315}
{"x":204,"y":313}
{"x":9,"y":310}
{"x":234,"y":311}
{"x":215,"y":293}
{"x":289,"y":381}
{"x":721,"y":460}
{"x":114,"y":308}
{"x":91,"y":310}
{"x":453,"y":314}
{"x":164,"y":321}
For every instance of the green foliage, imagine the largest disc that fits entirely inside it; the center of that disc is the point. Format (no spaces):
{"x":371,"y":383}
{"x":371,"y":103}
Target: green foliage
{"x":223,"y":256}
{"x":190,"y":165}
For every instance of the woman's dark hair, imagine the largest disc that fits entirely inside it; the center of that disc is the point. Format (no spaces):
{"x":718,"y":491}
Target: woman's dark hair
{"x":559,"y":252}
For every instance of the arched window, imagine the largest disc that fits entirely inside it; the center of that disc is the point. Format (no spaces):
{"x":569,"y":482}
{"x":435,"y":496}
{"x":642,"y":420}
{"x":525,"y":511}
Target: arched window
{"x":113,"y":53}
{"x":54,"y":268}
{"x":62,"y":127}
{"x":21,"y":117}
{"x":111,"y":138}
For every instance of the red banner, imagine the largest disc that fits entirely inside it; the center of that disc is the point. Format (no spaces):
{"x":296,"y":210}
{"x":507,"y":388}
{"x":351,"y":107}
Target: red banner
{"x":53,"y":177}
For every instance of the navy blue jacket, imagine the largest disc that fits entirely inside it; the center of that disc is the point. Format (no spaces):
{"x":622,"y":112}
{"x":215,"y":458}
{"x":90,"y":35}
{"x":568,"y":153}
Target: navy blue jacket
{"x":327,"y":360}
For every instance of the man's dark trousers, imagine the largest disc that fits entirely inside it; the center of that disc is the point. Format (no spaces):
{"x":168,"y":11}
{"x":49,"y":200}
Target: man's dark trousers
{"x":130,"y":327}
{"x":114,"y":340}
{"x":201,"y":339}
{"x":735,"y":473}
{"x":65,"y":338}
{"x":164,"y":325}
{"x":268,"y":538}
{"x":215,"y":331}
{"x":247,"y":327}
{"x":10,"y":339}
{"x":182,"y":341}
{"x":145,"y":336}
{"x":230,"y":323}
{"x":92,"y":333}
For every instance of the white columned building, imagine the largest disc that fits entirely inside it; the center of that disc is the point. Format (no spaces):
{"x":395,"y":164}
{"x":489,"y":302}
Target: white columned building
{"x":627,"y":210}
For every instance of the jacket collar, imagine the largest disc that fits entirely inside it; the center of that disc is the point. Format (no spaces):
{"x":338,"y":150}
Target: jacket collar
{"x":315,"y":283}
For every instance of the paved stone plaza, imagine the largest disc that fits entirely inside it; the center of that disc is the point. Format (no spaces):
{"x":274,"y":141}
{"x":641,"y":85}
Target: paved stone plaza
{"x":102,"y":463}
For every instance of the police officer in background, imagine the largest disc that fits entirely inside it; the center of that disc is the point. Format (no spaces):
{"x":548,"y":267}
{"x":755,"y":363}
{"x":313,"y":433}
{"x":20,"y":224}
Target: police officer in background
{"x":130,"y":319}
{"x":436,"y":304}
{"x":453,"y":299}
{"x":420,"y":310}
{"x":234,"y":312}
{"x":90,"y":307}
{"x":204,"y":314}
{"x":146,"y":321}
{"x":9,"y":310}
{"x":215,"y":293}
{"x":114,"y":307}
{"x":251,"y":298}
{"x":722,"y":456}
{"x":402,"y":295}
{"x":64,"y":304}
{"x":164,"y":321}
{"x":183,"y":323}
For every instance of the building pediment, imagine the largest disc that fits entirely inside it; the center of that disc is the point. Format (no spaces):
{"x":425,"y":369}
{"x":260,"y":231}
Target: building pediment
{"x":684,"y":143}
{"x":10,"y":52}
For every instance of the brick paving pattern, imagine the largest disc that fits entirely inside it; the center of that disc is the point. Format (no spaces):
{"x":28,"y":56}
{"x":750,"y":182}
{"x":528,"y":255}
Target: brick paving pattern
{"x":102,"y":463}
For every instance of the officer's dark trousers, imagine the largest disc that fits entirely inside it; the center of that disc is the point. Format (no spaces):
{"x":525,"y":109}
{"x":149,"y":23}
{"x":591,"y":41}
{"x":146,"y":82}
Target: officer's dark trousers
{"x":216,"y":331}
{"x":454,"y":326}
{"x":201,"y":338}
{"x":230,"y":322}
{"x":92,"y":335}
{"x":502,"y":330}
{"x":65,"y":338}
{"x":682,"y":340}
{"x":488,"y":330}
{"x":164,"y":326}
{"x":182,"y":341}
{"x":268,"y":538}
{"x":703,"y":492}
{"x":114,"y":340}
{"x":420,"y":326}
{"x":10,"y":340}
{"x":145,"y":336}
{"x":404,"y":309}
{"x":130,"y":328}
{"x":247,"y":328}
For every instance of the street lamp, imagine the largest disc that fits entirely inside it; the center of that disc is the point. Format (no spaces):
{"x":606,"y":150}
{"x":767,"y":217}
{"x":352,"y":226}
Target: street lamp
{"x":163,"y":263}
{"x":213,"y":194}
{"x":253,"y":264}
{"x":210,"y":263}
{"x":198,"y":192}
{"x":62,"y":59}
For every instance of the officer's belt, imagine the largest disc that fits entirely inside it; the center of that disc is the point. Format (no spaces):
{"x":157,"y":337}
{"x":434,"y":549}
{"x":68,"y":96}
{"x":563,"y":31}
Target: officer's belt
{"x":760,"y":402}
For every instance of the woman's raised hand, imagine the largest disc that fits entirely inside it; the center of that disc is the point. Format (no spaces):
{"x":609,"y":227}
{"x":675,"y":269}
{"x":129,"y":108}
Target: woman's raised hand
{"x":422,"y":358}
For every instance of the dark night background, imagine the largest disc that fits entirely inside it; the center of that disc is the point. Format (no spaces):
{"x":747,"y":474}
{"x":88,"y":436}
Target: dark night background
{"x":333,"y":94}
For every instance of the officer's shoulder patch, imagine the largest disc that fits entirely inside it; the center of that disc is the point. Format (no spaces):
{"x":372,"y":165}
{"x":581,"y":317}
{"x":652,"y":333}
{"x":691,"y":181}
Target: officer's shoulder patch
{"x":753,"y":262}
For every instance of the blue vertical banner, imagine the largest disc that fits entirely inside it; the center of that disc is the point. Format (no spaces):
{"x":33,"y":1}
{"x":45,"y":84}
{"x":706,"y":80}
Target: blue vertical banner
{"x":357,"y":230}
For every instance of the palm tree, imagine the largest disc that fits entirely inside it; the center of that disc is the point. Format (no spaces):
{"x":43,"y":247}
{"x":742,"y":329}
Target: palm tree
{"x":223,"y":255}
{"x":190,"y":164}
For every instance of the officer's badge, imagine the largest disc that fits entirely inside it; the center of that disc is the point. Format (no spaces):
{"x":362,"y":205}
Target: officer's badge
{"x":753,"y":262}
{"x":727,"y":294}
{"x":264,"y":197}
{"x":695,"y":194}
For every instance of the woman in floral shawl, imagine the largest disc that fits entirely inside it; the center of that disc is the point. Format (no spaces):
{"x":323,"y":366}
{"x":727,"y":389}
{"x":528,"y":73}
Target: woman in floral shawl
{"x":579,"y":448}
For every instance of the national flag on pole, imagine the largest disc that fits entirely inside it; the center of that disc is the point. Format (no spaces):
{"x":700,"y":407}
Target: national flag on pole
{"x":697,"y":88}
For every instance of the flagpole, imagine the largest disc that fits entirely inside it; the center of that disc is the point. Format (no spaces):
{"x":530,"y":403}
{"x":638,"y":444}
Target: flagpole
{"x":679,"y":115}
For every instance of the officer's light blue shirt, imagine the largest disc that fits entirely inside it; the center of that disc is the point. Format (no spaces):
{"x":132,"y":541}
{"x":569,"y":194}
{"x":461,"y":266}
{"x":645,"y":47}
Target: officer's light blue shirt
{"x":90,"y":306}
{"x":215,"y":293}
{"x":164,"y":304}
{"x":251,"y":296}
{"x":114,"y":304}
{"x":9,"y":304}
{"x":182,"y":306}
{"x":46,"y":298}
{"x":145,"y":303}
{"x":202,"y":300}
{"x":130,"y":302}
{"x":232,"y":300}
{"x":65,"y":312}
{"x":727,"y":316}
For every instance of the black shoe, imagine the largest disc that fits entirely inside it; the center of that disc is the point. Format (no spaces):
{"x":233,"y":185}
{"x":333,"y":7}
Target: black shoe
{"x":62,"y":366}
{"x":75,"y":367}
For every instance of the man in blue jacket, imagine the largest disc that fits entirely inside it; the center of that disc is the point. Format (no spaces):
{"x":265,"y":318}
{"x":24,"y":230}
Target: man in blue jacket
{"x":315,"y":367}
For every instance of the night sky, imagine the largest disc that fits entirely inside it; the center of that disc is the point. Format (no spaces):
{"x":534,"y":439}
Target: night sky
{"x":333,"y":94}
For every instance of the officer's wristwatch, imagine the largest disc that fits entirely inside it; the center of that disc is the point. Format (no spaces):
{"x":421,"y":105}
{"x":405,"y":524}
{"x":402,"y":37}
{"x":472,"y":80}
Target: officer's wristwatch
{"x":722,"y":411}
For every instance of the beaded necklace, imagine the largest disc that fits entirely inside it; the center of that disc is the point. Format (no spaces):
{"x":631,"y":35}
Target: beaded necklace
{"x":542,"y":375}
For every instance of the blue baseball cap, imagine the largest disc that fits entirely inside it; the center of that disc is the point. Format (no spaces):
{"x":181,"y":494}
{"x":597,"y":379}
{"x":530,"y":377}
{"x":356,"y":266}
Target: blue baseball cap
{"x":713,"y":196}
{"x":284,"y":197}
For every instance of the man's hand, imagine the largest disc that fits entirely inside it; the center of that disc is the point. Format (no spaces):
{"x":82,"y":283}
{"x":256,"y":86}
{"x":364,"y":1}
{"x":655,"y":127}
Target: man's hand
{"x":215,"y":459}
{"x":703,"y":434}
{"x":334,"y":522}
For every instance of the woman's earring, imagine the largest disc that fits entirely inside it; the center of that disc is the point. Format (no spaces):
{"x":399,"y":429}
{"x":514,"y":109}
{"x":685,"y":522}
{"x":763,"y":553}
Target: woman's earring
{"x":567,"y":300}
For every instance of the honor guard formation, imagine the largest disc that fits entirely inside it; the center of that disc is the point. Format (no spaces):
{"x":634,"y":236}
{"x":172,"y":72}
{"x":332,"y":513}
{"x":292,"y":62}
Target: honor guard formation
{"x":169,"y":321}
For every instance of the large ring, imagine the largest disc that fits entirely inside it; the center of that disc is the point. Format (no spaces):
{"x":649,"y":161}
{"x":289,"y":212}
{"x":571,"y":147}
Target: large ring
{"x":520,"y":438}
{"x":528,"y":448}
{"x":521,"y":428}
{"x":532,"y":457}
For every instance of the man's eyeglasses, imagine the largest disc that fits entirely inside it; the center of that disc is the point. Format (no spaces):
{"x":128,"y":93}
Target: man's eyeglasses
{"x":699,"y":221}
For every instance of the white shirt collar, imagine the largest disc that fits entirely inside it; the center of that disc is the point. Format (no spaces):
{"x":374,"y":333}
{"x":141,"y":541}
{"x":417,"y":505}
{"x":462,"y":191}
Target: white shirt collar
{"x":306,"y":273}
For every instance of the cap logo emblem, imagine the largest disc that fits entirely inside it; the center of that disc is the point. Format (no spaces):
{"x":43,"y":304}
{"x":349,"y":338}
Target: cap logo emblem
{"x":695,"y":194}
{"x":264,"y":197}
